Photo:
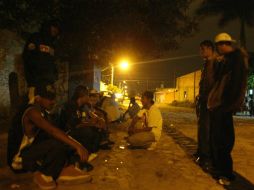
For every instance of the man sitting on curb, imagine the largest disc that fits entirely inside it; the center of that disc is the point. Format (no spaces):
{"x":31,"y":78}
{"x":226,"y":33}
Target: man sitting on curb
{"x":132,"y":110}
{"x":36,"y":145}
{"x":149,"y":133}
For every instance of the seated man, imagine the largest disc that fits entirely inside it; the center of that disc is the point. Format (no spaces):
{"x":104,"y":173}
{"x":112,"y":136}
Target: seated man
{"x":133,"y":108}
{"x":73,"y":120}
{"x":102,"y":115}
{"x":111,"y":107}
{"x":80,"y":122}
{"x":94,"y":98}
{"x":36,"y":145}
{"x":148,"y":134}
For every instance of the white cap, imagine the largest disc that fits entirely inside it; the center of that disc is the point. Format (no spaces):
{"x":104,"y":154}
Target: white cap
{"x":223,"y":37}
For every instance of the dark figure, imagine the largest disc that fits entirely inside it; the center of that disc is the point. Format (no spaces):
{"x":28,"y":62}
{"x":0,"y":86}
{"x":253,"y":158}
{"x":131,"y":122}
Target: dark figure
{"x":226,"y":97}
{"x":73,"y":122}
{"x":39,"y":57}
{"x":205,"y":85}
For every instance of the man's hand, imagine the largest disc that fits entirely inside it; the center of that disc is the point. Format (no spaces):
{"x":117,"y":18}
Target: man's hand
{"x":101,"y":124}
{"x":83,"y":153}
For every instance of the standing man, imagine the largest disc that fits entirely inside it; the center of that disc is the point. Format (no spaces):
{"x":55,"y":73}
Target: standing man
{"x":205,"y":85}
{"x":39,"y":58}
{"x":225,"y":98}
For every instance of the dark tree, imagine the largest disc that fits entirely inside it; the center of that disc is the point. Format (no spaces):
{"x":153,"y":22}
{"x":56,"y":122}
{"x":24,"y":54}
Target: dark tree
{"x":228,"y":10}
{"x":103,"y":29}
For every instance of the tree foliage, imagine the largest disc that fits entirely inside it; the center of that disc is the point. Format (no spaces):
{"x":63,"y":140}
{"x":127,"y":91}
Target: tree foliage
{"x":228,"y":10}
{"x":102,"y":30}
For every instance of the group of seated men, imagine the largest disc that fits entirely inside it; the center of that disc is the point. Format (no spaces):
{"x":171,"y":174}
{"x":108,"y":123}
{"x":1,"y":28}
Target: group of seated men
{"x":58,"y":151}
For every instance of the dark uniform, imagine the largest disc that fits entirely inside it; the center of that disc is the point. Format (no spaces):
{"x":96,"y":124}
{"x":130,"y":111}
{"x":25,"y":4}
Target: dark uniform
{"x":225,"y":98}
{"x":39,"y":58}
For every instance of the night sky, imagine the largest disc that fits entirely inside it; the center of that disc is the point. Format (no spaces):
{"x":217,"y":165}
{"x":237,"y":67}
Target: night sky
{"x":165,"y":71}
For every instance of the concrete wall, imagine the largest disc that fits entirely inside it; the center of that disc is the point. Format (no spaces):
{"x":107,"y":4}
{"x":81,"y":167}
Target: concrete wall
{"x":187,"y":88}
{"x":10,"y":61}
{"x":165,"y":96}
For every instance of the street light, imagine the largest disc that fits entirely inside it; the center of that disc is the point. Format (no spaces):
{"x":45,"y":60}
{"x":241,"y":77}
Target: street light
{"x":123,"y":64}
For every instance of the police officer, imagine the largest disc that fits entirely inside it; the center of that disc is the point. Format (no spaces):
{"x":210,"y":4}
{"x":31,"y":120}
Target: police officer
{"x":39,"y":57}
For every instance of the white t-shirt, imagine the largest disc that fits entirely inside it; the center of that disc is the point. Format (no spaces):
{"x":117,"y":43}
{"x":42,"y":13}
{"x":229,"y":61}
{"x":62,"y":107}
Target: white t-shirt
{"x":154,"y":119}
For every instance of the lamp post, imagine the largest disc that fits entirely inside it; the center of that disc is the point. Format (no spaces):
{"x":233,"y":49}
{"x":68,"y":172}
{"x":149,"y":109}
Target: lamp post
{"x":112,"y":74}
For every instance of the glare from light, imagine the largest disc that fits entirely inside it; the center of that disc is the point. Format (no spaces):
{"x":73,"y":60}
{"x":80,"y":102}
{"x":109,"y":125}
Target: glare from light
{"x":124,"y":64}
{"x":122,"y":147}
{"x":118,"y":95}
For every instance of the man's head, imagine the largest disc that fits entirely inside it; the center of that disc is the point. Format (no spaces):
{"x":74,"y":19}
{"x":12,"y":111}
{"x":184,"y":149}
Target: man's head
{"x":45,"y":97}
{"x":206,"y":49}
{"x":147,"y":99}
{"x":132,"y":100}
{"x":52,"y":28}
{"x":224,"y":43}
{"x":81,"y":95}
{"x":93,"y":97}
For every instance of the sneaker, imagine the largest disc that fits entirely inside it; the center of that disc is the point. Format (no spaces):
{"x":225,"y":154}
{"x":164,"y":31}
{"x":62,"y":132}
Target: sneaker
{"x":152,"y":146}
{"x":86,"y":167}
{"x":224,"y":181}
{"x":92,"y":157}
{"x":43,"y":181}
{"x":72,"y":175}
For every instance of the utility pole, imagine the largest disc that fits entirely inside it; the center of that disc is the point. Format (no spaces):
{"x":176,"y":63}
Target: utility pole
{"x":112,"y":74}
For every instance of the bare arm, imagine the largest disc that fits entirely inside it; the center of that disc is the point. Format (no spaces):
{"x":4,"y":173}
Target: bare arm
{"x":35,"y":116}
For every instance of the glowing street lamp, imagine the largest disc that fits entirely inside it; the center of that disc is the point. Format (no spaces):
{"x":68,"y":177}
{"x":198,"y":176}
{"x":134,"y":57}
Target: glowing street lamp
{"x":123,"y":64}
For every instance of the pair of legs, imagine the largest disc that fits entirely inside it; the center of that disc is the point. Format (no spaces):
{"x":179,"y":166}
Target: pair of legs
{"x":222,"y":141}
{"x":89,"y":137}
{"x":48,"y":156}
{"x":141,"y":140}
{"x":50,"y":160}
{"x":203,"y":150}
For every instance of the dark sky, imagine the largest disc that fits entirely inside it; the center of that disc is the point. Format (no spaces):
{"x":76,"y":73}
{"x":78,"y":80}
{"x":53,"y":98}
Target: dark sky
{"x":165,"y":71}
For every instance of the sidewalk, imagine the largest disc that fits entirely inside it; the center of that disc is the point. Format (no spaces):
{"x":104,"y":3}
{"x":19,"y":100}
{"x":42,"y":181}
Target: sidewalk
{"x":166,"y":168}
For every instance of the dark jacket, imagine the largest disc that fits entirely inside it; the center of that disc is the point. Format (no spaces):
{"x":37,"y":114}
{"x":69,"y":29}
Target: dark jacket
{"x":230,"y":82}
{"x":39,"y":59}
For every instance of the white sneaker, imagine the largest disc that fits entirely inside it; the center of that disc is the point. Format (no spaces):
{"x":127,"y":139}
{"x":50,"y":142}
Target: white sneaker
{"x":92,"y":157}
{"x":153,"y":146}
{"x":72,"y":175}
{"x":43,"y":181}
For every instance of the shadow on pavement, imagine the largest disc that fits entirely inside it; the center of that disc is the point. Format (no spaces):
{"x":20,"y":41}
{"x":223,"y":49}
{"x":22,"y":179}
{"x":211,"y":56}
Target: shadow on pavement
{"x":189,"y":145}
